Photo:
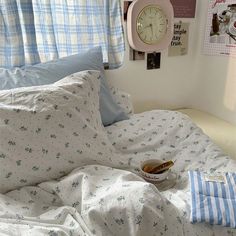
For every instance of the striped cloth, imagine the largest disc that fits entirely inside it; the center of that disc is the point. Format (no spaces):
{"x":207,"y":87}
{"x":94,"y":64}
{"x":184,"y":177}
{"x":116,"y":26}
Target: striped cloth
{"x":33,"y":31}
{"x":213,"y":202}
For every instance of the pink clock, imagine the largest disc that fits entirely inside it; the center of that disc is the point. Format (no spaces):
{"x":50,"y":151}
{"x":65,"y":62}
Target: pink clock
{"x":150,"y":25}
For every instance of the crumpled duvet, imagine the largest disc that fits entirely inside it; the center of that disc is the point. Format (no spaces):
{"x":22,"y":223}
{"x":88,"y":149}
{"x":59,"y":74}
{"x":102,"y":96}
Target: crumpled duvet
{"x":92,"y":200}
{"x":100,"y":200}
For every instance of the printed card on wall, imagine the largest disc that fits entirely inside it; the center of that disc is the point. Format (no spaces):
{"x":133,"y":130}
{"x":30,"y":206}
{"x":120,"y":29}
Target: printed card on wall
{"x":179,"y":43}
{"x":220,"y":35}
{"x":184,"y":8}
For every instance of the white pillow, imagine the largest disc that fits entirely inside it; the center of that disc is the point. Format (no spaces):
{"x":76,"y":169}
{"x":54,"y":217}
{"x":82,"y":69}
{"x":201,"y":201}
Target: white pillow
{"x":47,"y":131}
{"x":123,"y":99}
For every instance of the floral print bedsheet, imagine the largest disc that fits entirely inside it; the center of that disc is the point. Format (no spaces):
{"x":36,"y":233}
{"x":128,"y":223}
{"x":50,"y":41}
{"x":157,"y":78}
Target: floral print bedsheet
{"x":101,"y":200}
{"x":171,"y":135}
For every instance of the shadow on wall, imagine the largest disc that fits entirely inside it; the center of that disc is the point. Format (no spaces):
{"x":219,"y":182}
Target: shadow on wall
{"x":142,"y":106}
{"x":230,"y":87}
{"x":215,"y":88}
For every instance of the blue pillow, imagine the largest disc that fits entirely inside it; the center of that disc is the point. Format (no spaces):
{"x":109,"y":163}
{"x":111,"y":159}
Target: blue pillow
{"x":52,"y":71}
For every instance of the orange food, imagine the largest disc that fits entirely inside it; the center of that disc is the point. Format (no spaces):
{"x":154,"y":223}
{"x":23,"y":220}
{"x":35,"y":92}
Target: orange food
{"x":147,"y":168}
{"x":158,"y":169}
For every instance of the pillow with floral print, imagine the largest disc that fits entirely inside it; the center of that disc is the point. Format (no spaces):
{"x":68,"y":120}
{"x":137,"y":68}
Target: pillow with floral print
{"x":47,"y":131}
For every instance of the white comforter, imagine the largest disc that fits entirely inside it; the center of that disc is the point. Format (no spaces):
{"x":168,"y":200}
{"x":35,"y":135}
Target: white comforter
{"x":100,"y":200}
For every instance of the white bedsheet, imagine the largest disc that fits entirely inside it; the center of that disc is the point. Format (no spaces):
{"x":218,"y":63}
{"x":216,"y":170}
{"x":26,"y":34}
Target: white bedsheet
{"x":99,"y":200}
{"x":169,"y":135}
{"x":93,"y":200}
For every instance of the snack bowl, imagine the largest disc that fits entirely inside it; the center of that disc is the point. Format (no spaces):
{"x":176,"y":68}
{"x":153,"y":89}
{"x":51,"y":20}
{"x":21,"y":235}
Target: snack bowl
{"x":153,"y":177}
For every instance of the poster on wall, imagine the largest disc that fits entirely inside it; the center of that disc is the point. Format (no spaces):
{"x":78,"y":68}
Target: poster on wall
{"x":184,"y":8}
{"x":220,"y":35}
{"x":179,"y":43}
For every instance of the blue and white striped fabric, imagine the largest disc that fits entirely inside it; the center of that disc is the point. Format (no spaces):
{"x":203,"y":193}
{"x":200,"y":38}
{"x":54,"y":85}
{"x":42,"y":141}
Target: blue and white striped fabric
{"x":33,"y":31}
{"x":213,"y":202}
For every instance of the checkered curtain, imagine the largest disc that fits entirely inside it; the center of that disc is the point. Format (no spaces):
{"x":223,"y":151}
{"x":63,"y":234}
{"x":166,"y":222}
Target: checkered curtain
{"x":17,"y":33}
{"x":33,"y":31}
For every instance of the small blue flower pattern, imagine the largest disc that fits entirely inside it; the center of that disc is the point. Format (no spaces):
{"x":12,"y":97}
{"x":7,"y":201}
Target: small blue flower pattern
{"x":85,"y":186}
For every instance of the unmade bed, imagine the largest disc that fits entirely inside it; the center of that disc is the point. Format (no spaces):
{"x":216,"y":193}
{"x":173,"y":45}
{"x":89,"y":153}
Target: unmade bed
{"x":63,"y":173}
{"x":108,"y":197}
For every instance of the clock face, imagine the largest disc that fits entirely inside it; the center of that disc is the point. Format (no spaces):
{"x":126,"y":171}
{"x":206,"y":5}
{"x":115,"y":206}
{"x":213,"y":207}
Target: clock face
{"x":152,"y":24}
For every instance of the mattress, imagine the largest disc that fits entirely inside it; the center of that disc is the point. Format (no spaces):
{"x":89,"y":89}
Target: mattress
{"x":220,"y":131}
{"x":102,"y":200}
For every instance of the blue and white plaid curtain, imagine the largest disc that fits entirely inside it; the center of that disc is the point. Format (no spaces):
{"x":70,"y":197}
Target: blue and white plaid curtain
{"x":33,"y":31}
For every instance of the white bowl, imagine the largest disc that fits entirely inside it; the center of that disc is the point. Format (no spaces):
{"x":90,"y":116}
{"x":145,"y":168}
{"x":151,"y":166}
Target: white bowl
{"x":153,"y":177}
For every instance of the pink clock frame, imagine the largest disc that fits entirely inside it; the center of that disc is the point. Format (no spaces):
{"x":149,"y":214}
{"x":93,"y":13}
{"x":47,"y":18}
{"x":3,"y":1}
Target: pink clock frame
{"x":134,"y":41}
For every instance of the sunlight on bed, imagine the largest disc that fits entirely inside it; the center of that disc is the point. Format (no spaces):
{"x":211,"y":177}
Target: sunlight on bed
{"x":230,"y":89}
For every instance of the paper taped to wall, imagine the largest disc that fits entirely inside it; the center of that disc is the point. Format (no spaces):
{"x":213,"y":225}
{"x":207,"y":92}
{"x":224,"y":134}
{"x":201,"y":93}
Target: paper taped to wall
{"x":179,"y":43}
{"x":220,"y":35}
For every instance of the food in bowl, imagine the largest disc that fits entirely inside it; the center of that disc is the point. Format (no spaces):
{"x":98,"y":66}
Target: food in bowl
{"x":150,"y":165}
{"x":158,"y":168}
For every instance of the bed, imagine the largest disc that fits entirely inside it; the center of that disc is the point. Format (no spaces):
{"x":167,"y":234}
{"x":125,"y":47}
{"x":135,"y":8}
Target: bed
{"x":99,"y":200}
{"x":63,"y":173}
{"x":221,"y":132}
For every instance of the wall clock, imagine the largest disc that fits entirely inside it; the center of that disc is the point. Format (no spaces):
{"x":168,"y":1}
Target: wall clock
{"x":150,"y":25}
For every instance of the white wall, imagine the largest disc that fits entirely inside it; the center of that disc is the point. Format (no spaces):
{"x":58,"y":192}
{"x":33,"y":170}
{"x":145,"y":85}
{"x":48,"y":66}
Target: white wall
{"x":196,"y":81}
{"x":215,"y":83}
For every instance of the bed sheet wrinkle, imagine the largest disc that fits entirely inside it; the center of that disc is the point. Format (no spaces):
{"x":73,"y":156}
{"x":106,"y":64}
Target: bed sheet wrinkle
{"x":101,"y":200}
{"x":109,"y":202}
{"x":178,"y":139}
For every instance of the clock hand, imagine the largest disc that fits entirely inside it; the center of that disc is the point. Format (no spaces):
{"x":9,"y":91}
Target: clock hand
{"x":151,"y":29}
{"x":147,"y":26}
